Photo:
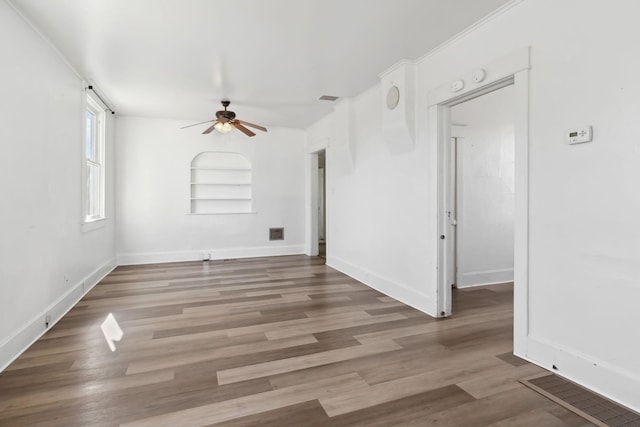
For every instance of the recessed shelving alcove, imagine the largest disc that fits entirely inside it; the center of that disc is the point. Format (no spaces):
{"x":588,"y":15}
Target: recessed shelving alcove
{"x":220,"y":183}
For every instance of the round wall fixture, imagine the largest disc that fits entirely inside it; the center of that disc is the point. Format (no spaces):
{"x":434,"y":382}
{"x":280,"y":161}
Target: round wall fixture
{"x":479,"y":74}
{"x":393,"y":97}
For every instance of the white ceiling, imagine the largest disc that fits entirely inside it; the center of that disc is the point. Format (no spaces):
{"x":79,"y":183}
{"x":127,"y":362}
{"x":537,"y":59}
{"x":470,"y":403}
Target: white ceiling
{"x":272,"y":58}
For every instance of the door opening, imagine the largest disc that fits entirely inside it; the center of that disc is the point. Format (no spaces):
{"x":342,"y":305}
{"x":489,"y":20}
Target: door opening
{"x":317,"y":204}
{"x":512,"y":69}
{"x":481,"y":191}
{"x":452,"y":143}
{"x":322,"y":209}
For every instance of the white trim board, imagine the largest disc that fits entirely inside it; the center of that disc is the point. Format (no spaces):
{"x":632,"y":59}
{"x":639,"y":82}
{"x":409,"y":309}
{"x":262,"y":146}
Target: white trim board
{"x":389,"y":287}
{"x":504,"y":68}
{"x":13,"y":346}
{"x":484,"y":278}
{"x":213,"y":254}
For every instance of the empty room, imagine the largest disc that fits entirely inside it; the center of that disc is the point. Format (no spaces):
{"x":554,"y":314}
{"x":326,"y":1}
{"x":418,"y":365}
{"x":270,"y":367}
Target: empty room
{"x":319,"y":213}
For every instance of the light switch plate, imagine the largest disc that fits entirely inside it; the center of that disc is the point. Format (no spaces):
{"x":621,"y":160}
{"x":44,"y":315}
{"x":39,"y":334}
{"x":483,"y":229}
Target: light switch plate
{"x":579,"y":135}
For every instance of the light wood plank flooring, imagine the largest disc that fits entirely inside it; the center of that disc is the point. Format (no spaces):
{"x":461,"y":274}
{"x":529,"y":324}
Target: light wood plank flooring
{"x":283,"y":341}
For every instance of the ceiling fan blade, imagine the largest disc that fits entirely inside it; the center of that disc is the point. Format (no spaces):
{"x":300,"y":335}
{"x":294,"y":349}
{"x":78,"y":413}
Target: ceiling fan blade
{"x":210,"y":129}
{"x":201,"y":123}
{"x":262,"y":128}
{"x":242,"y":128}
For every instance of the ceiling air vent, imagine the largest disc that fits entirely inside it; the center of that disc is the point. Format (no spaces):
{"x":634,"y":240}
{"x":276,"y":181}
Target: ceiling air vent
{"x":329,"y":98}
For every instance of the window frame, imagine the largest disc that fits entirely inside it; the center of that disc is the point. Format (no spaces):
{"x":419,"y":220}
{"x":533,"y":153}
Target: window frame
{"x":98,"y":136}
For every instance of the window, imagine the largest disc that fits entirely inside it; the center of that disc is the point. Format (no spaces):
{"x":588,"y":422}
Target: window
{"x":220,"y":183}
{"x":93,"y":190}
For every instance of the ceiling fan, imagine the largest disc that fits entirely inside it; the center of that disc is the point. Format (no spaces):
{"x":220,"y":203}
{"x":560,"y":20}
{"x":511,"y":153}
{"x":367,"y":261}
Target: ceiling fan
{"x":226,"y":121}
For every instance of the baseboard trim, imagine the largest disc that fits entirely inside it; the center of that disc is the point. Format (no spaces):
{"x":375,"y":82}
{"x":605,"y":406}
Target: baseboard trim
{"x":602,"y":378}
{"x":213,"y":254}
{"x":12,"y":347}
{"x":389,"y":287}
{"x":483,"y":278}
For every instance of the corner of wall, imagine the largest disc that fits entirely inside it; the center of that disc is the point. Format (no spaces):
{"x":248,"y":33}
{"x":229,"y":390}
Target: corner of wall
{"x":398,"y":291}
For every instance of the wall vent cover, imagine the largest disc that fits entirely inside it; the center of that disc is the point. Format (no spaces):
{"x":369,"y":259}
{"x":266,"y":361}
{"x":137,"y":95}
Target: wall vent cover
{"x":276,"y":233}
{"x":589,"y":405}
{"x":329,"y":98}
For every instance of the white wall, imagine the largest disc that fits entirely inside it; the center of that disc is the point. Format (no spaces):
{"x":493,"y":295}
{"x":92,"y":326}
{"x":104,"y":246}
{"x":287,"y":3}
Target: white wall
{"x":584,"y":247}
{"x":377,"y":213}
{"x":153,"y":175}
{"x":46,"y":261}
{"x":485,"y":149}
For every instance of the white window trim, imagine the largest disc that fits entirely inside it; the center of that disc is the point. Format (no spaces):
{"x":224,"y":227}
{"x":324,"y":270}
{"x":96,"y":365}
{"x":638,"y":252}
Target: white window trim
{"x":89,"y":224}
{"x":94,"y":225}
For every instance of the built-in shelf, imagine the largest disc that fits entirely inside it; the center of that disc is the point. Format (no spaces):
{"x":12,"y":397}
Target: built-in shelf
{"x":220,"y":184}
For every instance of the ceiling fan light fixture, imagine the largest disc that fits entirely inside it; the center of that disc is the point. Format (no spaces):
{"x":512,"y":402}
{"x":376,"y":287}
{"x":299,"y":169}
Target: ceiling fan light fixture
{"x":226,"y":121}
{"x":223,"y":127}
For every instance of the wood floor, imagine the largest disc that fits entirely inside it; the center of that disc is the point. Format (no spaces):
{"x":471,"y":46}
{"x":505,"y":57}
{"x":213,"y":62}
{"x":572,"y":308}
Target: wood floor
{"x":283,"y":341}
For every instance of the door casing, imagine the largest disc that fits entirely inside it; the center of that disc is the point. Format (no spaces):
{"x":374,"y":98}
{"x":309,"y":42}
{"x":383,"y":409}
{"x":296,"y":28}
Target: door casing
{"x":512,"y":70}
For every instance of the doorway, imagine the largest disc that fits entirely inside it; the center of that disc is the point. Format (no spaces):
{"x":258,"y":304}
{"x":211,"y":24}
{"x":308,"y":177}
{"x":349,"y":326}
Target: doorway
{"x":512,"y":69}
{"x":322,"y":206}
{"x":482,"y":190}
{"x":316,"y":223}
{"x":453,"y":136}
